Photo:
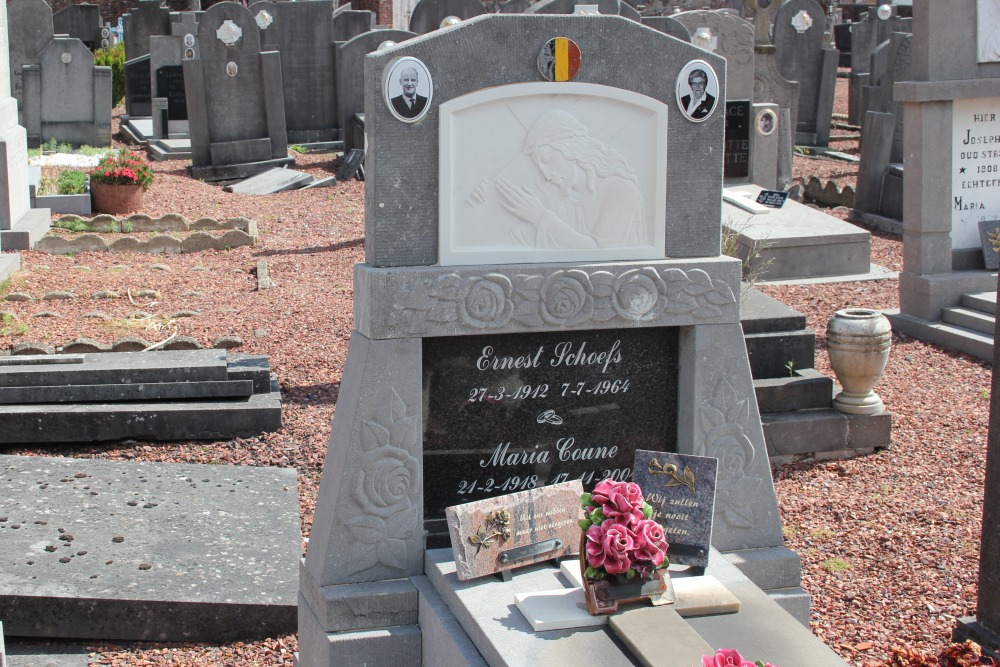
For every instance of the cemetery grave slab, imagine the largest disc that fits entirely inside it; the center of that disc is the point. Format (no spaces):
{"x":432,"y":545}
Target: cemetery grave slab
{"x":796,"y":241}
{"x":147,"y":551}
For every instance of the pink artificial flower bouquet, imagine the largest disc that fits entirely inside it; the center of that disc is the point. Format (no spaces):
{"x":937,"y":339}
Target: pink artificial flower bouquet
{"x":728,"y":657}
{"x":621,"y":537}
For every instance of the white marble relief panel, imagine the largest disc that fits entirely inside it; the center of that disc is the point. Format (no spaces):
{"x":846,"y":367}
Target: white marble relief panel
{"x":552,"y":172}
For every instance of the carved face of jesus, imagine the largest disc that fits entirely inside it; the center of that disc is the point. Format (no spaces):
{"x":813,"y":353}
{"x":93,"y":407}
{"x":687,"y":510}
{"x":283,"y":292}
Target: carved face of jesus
{"x":556,"y":168}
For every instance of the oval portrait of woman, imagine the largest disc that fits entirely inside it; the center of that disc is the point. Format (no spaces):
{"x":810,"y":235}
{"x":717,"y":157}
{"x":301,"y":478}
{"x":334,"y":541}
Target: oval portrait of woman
{"x":408,"y":89}
{"x":766,"y":122}
{"x":697,"y":90}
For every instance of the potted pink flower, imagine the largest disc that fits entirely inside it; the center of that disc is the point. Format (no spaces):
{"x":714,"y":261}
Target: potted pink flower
{"x":728,"y":657}
{"x":622,"y":548}
{"x":118,"y":181}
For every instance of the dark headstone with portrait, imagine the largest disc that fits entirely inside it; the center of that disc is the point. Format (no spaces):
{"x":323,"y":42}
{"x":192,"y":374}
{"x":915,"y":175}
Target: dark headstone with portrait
{"x":737,"y":151}
{"x":505,"y":413}
{"x":170,"y":84}
{"x":138,"y":88}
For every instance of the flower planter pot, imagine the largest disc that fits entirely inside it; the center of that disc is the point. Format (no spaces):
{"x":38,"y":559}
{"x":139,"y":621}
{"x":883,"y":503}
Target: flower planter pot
{"x":605,"y":595}
{"x":858,"y":340}
{"x":116,"y":199}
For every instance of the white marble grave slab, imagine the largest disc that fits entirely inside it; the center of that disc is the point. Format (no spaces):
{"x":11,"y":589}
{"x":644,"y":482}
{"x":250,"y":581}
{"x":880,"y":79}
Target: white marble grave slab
{"x":975,"y":168}
{"x":558,"y":609}
{"x":552,"y":172}
{"x":988,"y":31}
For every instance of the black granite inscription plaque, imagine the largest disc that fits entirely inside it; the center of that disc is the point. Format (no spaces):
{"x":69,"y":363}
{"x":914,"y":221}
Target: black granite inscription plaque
{"x":170,"y":84}
{"x":772,"y":198}
{"x":506,"y":413}
{"x":737,"y":151}
{"x":138,"y":91}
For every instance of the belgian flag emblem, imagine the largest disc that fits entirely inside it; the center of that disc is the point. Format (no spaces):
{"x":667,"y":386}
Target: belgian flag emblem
{"x":559,"y":59}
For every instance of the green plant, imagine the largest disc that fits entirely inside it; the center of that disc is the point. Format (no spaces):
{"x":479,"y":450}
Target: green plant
{"x":295,"y":148}
{"x":790,"y":365}
{"x":115,"y":59}
{"x":72,"y":225}
{"x":72,"y":182}
{"x":836,"y":565}
{"x":123,"y":167}
{"x":127,"y":226}
{"x":91,"y":150}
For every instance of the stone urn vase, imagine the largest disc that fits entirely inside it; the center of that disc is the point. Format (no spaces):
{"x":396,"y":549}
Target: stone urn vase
{"x":858,"y":340}
{"x":116,"y":199}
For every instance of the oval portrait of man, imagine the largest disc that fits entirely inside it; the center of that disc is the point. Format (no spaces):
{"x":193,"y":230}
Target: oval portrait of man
{"x":408,"y":89}
{"x":697,"y":91}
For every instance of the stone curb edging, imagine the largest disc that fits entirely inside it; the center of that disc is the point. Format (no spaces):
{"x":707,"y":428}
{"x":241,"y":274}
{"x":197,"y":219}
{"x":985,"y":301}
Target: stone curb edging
{"x":831,"y":193}
{"x":237,"y":232}
{"x":126,"y":344}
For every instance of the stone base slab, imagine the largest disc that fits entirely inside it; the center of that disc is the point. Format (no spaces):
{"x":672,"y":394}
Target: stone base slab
{"x":232,"y":172}
{"x":27,"y":231}
{"x":147,"y":551}
{"x":922,"y":297}
{"x":953,"y":337}
{"x":817,"y":431}
{"x":398,"y":646}
{"x":969,"y":627}
{"x":9,"y":263}
{"x":364,"y":606}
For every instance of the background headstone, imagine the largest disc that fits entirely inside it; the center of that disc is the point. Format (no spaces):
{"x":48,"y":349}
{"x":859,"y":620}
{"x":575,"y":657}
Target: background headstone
{"x":668,"y":25}
{"x":29,"y":29}
{"x":428,"y":14}
{"x":732,"y":38}
{"x":67,"y":97}
{"x":82,"y":21}
{"x":349,"y":23}
{"x":801,"y":56}
{"x":148,"y":18}
{"x":236,"y":110}
{"x":138,"y":86}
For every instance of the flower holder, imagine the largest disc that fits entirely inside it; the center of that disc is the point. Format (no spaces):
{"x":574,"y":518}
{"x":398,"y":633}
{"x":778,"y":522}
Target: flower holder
{"x":605,"y":595}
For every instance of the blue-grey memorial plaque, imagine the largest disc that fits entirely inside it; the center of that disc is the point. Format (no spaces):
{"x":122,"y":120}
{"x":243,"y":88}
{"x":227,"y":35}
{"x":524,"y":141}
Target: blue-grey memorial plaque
{"x":681,"y":490}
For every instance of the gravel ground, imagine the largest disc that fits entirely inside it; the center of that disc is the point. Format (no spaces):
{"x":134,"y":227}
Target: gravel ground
{"x":889,"y":542}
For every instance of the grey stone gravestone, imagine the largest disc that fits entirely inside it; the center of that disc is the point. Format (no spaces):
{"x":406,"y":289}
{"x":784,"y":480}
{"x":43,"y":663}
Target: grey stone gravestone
{"x":802,"y":57}
{"x":236,"y":111}
{"x":67,"y":97}
{"x":413,"y":313}
{"x":878,"y":199}
{"x":349,"y":23}
{"x":20,"y":225}
{"x":351,"y":80}
{"x":951,"y":108}
{"x":866,"y":35}
{"x":770,"y":85}
{"x":514,"y":7}
{"x":166,"y":83}
{"x":428,"y":14}
{"x":303,"y":33}
{"x":669,"y":26}
{"x":148,"y":18}
{"x":82,"y":21}
{"x":138,"y":86}
{"x":29,"y":29}
{"x":606,"y":7}
{"x":185,"y":25}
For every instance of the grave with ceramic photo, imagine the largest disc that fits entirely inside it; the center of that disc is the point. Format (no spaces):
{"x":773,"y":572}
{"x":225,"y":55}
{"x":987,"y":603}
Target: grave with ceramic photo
{"x":518,"y":324}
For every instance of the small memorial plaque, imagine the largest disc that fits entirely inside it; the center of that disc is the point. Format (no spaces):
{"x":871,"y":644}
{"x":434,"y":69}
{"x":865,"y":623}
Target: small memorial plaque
{"x":506,"y":532}
{"x":772,"y":198}
{"x":737,"y":152}
{"x":681,"y":490}
{"x":989,"y":234}
{"x":170,"y":84}
{"x":512,"y":412}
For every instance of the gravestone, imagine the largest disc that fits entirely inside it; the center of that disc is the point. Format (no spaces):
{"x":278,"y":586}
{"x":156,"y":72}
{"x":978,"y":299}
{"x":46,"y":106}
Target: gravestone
{"x":606,"y":7}
{"x":67,"y":97}
{"x":466,"y":318}
{"x":668,"y":25}
{"x":802,"y":57}
{"x":769,"y":84}
{"x":138,"y":86}
{"x":303,"y":33}
{"x":148,"y":18}
{"x":351,"y":81}
{"x":878,"y":199}
{"x":20,"y":225}
{"x":185,"y":25}
{"x":951,"y":110}
{"x":349,"y":23}
{"x":732,"y":38}
{"x":866,"y":35}
{"x":82,"y":21}
{"x":236,"y":111}
{"x":428,"y":14}
{"x":29,"y":29}
{"x":167,"y":97}
{"x":514,"y":7}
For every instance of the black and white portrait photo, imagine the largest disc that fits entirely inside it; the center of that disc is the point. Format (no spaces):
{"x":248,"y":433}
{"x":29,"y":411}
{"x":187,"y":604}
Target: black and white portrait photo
{"x":766,"y":122}
{"x":697,"y":90}
{"x":408,"y":89}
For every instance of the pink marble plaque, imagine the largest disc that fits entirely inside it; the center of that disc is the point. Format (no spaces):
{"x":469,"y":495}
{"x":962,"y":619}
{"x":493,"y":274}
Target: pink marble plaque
{"x":507,"y":532}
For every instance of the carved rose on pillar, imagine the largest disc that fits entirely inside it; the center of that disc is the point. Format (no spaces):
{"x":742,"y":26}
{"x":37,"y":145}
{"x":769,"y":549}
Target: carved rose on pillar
{"x":723,"y":419}
{"x":567,"y":298}
{"x":485,"y":301}
{"x":386,"y":487}
{"x":639,"y":295}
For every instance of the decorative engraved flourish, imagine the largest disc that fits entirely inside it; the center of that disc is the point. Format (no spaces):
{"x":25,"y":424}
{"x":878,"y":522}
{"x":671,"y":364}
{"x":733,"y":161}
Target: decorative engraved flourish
{"x":723,"y":419}
{"x":229,"y":33}
{"x":686,"y":478}
{"x":564,"y":298}
{"x":386,"y":488}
